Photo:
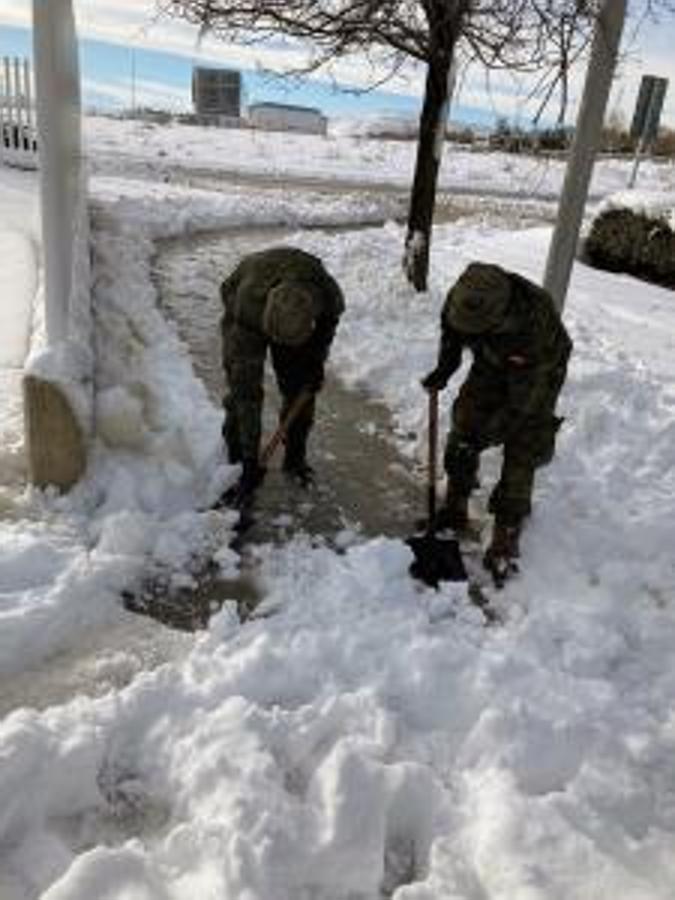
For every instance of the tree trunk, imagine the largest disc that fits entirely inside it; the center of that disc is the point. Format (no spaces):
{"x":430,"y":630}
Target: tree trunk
{"x":427,"y":164}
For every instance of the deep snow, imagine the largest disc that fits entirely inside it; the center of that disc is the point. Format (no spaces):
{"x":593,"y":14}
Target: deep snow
{"x":367,"y":737}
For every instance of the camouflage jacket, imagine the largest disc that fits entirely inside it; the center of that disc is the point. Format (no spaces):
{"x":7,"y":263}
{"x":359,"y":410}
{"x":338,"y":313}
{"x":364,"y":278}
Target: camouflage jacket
{"x":245,"y":344}
{"x":524,"y":350}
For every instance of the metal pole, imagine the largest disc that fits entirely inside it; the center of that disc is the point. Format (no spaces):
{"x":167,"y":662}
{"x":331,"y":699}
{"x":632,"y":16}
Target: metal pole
{"x":28,"y":94}
{"x":18,"y":95}
{"x":10,"y":104}
{"x":642,"y":143}
{"x":4,"y":103}
{"x":602,"y":63}
{"x":133,"y":83}
{"x":639,"y":152}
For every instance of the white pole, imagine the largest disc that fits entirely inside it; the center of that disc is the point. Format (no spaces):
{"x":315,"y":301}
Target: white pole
{"x":18,"y":95}
{"x":8,"y":95}
{"x":133,"y":83}
{"x":28,"y":94}
{"x":587,"y":135}
{"x":57,"y":91}
{"x":3,"y":107}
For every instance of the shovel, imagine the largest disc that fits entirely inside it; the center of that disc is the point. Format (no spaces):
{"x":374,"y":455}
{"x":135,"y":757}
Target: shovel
{"x":233,"y":497}
{"x":436,"y":558}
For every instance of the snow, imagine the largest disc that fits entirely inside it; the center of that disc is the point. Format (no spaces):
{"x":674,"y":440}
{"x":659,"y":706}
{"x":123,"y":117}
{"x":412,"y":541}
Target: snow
{"x":116,"y":146}
{"x":651,"y":203}
{"x":360,"y":736}
{"x":19,"y":227}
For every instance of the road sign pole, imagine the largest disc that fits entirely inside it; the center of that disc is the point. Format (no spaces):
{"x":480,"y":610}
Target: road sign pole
{"x":646,"y":119}
{"x":639,"y":153}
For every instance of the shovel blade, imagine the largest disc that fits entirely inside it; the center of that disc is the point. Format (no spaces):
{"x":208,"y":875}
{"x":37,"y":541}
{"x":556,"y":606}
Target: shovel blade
{"x":436,"y":559}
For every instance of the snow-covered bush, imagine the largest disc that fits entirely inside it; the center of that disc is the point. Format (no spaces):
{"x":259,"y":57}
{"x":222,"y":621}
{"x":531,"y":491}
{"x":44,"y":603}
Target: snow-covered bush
{"x":634,"y":240}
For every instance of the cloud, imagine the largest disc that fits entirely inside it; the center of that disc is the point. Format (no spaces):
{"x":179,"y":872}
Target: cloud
{"x":146,"y":93}
{"x":134,"y":22}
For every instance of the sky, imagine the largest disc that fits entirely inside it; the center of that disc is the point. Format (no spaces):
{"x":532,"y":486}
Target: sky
{"x":165,"y":50}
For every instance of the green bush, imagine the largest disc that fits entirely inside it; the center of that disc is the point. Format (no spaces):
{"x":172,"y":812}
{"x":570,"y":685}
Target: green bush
{"x":621,"y":240}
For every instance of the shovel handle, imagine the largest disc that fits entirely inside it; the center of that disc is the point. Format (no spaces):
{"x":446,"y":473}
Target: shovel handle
{"x":279,"y":435}
{"x":432,"y":458}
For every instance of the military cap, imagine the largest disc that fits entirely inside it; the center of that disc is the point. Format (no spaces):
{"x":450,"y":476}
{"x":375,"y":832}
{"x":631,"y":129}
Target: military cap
{"x":289,"y":316}
{"x":479,"y":300}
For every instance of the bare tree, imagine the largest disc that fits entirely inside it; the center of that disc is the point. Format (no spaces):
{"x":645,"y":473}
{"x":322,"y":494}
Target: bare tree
{"x":533,"y":36}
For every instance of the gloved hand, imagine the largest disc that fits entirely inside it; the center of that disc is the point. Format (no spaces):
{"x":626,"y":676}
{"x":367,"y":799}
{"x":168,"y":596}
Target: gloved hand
{"x":436,"y":380}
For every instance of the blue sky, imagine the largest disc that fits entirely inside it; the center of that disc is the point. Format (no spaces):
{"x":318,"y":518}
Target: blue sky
{"x":163,"y":79}
{"x":108,"y":28}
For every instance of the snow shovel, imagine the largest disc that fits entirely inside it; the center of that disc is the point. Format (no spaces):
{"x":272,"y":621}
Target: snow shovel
{"x":233,"y":496}
{"x":436,"y":558}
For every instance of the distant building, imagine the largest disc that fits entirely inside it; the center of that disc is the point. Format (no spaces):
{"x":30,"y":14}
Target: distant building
{"x":216,"y":94}
{"x":283,"y":117}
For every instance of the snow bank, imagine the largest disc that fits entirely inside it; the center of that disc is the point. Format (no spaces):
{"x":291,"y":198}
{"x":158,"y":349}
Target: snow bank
{"x":116,"y":146}
{"x":354,"y":743}
{"x":19,"y":227}
{"x":653,"y":204}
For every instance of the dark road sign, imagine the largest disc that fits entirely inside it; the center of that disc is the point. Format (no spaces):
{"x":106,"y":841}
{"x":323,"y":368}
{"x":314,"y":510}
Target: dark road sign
{"x":645,"y":124}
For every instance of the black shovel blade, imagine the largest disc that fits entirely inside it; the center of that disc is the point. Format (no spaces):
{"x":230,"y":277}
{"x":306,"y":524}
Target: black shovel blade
{"x":436,"y":559}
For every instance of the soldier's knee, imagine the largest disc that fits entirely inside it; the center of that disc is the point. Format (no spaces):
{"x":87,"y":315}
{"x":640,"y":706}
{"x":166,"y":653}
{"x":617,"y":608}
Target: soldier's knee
{"x":534,"y":446}
{"x":510,"y":507}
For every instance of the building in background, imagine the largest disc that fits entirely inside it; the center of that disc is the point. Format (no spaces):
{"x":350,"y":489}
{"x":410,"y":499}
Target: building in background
{"x":284,"y":117}
{"x":216,"y":95}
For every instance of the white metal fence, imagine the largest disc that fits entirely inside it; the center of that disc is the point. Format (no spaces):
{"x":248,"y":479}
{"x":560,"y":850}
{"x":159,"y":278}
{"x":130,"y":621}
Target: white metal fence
{"x":18,"y":132}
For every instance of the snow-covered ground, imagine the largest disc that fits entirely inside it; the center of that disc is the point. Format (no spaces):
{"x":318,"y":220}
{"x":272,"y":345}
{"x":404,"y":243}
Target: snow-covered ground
{"x":116,"y":145}
{"x":368,"y":737}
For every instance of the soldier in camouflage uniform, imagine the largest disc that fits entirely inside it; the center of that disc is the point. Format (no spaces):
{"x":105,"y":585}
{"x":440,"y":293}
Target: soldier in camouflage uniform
{"x":520,"y":352}
{"x":285,"y":300}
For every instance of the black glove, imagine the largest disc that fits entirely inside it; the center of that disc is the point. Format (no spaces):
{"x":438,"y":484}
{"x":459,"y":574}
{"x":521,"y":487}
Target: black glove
{"x":436,"y":380}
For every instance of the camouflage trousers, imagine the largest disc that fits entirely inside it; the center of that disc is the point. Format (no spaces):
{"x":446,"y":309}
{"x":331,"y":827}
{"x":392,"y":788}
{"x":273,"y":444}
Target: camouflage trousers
{"x":242,"y":425}
{"x":483,"y":415}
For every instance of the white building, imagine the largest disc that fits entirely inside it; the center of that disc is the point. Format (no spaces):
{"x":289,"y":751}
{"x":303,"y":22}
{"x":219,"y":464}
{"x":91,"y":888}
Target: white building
{"x":283,"y":117}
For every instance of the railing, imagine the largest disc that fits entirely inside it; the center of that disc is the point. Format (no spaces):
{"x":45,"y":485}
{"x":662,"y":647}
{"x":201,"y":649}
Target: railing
{"x":18,"y":132}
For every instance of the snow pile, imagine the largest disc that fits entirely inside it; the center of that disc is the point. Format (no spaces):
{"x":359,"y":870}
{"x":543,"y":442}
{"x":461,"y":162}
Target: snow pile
{"x":163,"y":210}
{"x":352,"y":744}
{"x":19,"y":227}
{"x":653,"y":204}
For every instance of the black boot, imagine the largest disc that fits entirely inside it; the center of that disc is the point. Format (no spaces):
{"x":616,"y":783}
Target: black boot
{"x":299,"y":470}
{"x":501,"y":557}
{"x":295,"y":463}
